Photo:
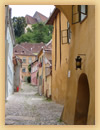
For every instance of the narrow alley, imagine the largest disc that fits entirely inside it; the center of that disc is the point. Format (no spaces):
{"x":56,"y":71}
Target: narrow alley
{"x":26,"y":107}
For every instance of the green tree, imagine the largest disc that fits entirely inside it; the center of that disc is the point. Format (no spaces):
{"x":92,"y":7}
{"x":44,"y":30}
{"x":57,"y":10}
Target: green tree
{"x":39,"y":33}
{"x":19,"y":24}
{"x":42,"y":32}
{"x":28,"y":37}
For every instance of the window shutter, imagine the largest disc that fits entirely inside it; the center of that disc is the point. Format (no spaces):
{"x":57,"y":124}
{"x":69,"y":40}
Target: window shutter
{"x":75,"y":14}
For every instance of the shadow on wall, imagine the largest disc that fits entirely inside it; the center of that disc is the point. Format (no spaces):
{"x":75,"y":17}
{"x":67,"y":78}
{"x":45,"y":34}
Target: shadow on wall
{"x":82,"y":101}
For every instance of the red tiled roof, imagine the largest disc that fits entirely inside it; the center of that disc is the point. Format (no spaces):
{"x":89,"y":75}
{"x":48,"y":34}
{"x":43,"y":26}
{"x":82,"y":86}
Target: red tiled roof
{"x":20,"y":50}
{"x":30,"y":20}
{"x":33,"y":47}
{"x":43,"y":18}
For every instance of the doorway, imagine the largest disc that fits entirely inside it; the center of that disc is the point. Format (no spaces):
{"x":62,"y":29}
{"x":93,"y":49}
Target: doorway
{"x":82,"y":101}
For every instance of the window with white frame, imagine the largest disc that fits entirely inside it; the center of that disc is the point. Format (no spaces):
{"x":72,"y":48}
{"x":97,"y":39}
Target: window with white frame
{"x":24,"y":60}
{"x":30,"y":60}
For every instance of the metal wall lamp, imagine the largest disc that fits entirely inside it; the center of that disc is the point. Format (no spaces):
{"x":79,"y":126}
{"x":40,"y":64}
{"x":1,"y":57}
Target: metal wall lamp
{"x":79,"y":61}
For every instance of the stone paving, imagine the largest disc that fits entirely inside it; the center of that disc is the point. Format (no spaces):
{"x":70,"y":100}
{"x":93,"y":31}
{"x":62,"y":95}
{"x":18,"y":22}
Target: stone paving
{"x":26,"y":107}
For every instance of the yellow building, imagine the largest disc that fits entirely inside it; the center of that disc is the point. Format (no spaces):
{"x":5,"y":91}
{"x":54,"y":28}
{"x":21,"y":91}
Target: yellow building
{"x":27,"y":58}
{"x":47,"y":69}
{"x":60,"y":55}
{"x":48,"y":81}
{"x":79,"y":106}
{"x":26,"y":61}
{"x":45,"y":66}
{"x":40,"y":72}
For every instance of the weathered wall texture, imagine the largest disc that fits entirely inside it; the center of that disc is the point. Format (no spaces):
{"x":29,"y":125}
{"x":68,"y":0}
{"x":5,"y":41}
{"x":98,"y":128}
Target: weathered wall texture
{"x":59,"y":75}
{"x":83,"y":42}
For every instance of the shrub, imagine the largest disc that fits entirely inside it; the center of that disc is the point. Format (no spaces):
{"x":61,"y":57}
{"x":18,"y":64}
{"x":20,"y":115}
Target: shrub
{"x":29,"y":79}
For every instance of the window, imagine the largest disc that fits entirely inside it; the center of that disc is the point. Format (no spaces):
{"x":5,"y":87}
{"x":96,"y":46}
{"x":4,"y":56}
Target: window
{"x":79,"y":13}
{"x":64,"y":36}
{"x":83,"y":12}
{"x":30,"y":60}
{"x":24,"y":70}
{"x":68,"y":33}
{"x":24,"y":60}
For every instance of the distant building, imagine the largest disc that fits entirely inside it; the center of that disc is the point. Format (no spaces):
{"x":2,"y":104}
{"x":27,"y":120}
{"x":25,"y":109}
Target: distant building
{"x":17,"y":65}
{"x":27,"y":52}
{"x":33,"y":47}
{"x":9,"y":42}
{"x":40,"y":72}
{"x":47,"y":69}
{"x":45,"y":64}
{"x":34,"y":72}
{"x":38,"y":17}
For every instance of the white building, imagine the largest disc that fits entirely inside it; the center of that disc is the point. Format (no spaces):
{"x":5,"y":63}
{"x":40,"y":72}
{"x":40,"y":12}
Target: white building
{"x":9,"y":42}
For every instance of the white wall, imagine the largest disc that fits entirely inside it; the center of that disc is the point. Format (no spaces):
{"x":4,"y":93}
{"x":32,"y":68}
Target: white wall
{"x":10,"y":67}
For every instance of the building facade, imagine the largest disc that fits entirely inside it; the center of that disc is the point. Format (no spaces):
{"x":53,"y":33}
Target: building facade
{"x":79,"y":108}
{"x":27,"y":58}
{"x":45,"y":65}
{"x":28,"y":53}
{"x":37,"y":18}
{"x":9,"y":42}
{"x":17,"y":65}
{"x":40,"y":72}
{"x":34,"y":73}
{"x":47,"y":69}
{"x":60,"y":54}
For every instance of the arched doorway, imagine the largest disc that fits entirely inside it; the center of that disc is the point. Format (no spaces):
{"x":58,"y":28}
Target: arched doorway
{"x":82,"y":101}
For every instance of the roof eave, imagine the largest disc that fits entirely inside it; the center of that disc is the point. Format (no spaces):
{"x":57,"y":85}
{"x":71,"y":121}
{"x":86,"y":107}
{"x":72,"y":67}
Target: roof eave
{"x":52,"y":16}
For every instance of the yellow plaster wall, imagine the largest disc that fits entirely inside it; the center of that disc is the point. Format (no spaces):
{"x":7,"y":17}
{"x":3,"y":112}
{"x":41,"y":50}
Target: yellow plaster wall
{"x":40,"y":68}
{"x":59,"y":76}
{"x":25,"y":65}
{"x":49,"y":85}
{"x":83,"y":42}
{"x":48,"y":56}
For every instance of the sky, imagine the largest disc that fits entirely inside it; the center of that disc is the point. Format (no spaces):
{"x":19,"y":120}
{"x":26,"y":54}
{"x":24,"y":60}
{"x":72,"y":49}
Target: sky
{"x":22,"y":10}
